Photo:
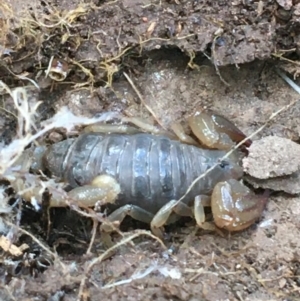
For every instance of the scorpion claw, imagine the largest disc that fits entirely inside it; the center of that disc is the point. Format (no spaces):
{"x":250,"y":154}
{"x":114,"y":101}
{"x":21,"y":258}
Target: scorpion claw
{"x":235,"y":207}
{"x":103,"y":189}
{"x":215,"y":131}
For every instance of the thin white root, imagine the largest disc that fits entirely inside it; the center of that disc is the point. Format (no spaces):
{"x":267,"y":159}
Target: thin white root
{"x":288,"y":80}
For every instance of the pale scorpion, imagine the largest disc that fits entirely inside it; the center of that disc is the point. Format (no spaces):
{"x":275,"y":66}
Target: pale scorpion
{"x":144,"y":175}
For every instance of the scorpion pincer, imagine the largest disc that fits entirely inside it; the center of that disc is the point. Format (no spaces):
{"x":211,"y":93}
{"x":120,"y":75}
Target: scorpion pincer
{"x":144,"y":175}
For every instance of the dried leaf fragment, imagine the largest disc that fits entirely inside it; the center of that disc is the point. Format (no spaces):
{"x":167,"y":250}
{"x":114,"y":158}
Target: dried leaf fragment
{"x":7,"y":246}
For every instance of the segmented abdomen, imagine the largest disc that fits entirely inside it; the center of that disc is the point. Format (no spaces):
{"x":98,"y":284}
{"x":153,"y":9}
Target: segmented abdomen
{"x":151,"y":170}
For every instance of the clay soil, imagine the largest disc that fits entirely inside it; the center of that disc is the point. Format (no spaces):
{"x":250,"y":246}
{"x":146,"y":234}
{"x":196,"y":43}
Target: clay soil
{"x":180,"y":55}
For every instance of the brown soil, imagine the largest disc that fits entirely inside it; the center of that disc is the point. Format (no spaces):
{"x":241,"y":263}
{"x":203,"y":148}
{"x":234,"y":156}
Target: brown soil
{"x":180,"y":55}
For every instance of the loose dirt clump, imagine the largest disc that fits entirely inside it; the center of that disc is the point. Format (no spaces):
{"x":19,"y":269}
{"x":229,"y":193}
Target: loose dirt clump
{"x":159,"y":61}
{"x":280,"y":159}
{"x":275,"y":154}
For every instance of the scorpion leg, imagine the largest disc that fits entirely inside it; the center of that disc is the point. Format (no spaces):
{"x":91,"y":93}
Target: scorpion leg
{"x":141,"y":126}
{"x":111,"y":128}
{"x":182,"y":136}
{"x":162,"y":217}
{"x":147,"y":127}
{"x":200,"y":202}
{"x":117,"y":217}
{"x":119,"y":214}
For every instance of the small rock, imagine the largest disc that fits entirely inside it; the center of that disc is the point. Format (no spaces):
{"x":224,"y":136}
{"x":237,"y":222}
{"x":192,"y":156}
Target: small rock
{"x":282,"y":282}
{"x":288,"y":184}
{"x":272,"y":157}
{"x":55,"y":137}
{"x":286,"y":4}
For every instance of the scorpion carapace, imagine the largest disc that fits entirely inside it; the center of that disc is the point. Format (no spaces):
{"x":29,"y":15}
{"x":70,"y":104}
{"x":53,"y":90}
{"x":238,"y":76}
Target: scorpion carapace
{"x":144,"y":175}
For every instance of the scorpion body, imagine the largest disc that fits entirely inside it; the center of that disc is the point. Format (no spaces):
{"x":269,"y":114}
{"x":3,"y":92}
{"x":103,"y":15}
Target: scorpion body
{"x":151,"y":170}
{"x":144,"y":175}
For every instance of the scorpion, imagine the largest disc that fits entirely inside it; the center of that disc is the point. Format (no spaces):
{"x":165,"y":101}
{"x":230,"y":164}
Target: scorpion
{"x":143,"y":175}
